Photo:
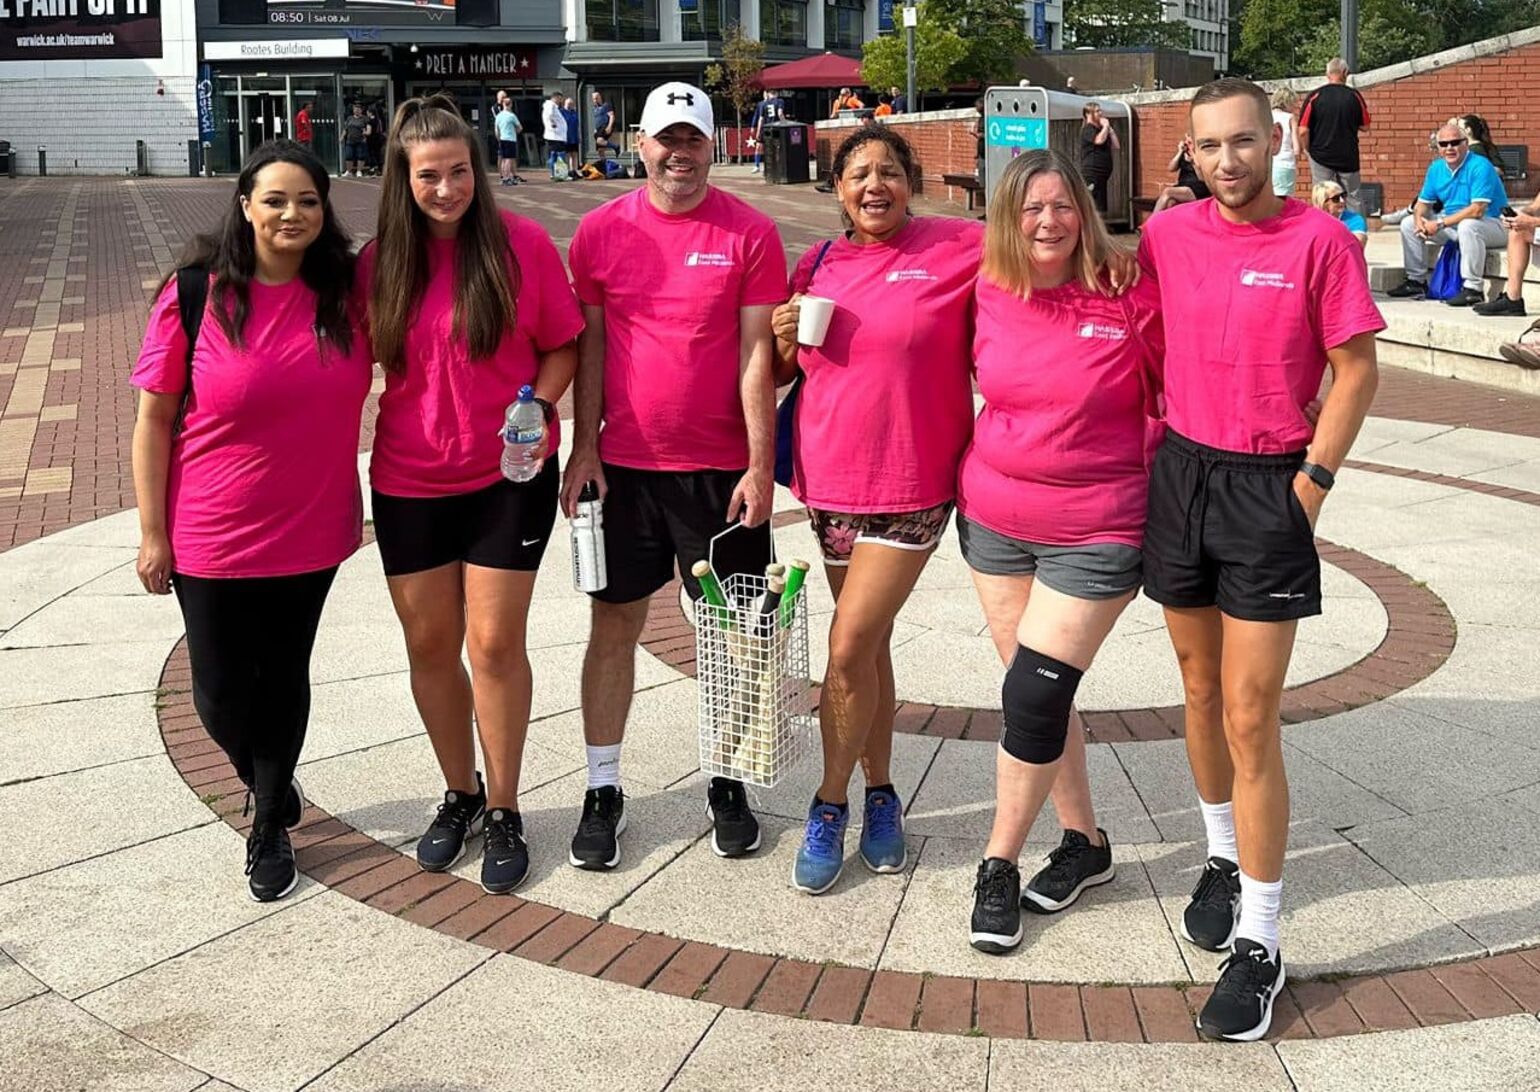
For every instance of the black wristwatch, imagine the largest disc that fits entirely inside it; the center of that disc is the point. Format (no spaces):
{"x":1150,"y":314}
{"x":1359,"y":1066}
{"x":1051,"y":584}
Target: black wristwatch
{"x":549,"y":410}
{"x":1318,"y":474}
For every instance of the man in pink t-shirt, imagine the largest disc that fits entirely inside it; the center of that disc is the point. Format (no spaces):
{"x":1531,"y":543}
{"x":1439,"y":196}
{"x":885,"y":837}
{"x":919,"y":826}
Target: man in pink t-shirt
{"x":1259,"y":294}
{"x":674,"y":423}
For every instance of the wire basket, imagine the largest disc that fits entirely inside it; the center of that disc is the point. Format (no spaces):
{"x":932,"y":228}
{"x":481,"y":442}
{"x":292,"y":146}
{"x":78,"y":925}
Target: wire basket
{"x":755,"y":698}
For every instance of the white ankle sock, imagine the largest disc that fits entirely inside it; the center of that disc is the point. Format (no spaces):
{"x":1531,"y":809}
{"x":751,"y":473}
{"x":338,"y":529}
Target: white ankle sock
{"x":1260,"y":903}
{"x":1219,"y":822}
{"x":603,"y":766}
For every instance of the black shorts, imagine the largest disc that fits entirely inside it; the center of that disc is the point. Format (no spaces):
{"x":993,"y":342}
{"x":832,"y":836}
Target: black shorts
{"x":1225,"y":529}
{"x":656,"y":519}
{"x":507,"y":149}
{"x":504,"y":526}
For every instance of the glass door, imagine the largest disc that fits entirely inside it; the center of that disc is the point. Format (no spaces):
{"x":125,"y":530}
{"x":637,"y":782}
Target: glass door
{"x":264,"y":110}
{"x":319,"y":93}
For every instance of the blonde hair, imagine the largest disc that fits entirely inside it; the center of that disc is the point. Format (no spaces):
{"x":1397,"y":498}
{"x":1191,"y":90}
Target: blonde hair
{"x":1322,"y":192}
{"x":1284,"y":99}
{"x":1008,"y":253}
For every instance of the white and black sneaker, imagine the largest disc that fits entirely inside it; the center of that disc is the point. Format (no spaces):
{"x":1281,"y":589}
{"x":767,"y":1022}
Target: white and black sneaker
{"x":293,"y":805}
{"x":270,"y":870}
{"x":1214,"y":910}
{"x":996,"y":926}
{"x":596,"y":845}
{"x":1072,"y":867}
{"x":504,"y":853}
{"x":734,"y":830}
{"x":1240,"y":1009}
{"x":458,"y":820}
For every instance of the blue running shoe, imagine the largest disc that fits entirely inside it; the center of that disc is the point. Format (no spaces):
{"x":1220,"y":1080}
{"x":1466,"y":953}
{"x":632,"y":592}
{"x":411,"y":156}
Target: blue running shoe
{"x":882,"y":832}
{"x":822,"y":856}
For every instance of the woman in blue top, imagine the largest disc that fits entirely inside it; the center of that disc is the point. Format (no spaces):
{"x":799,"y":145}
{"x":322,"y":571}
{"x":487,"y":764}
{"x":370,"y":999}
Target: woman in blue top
{"x":1329,"y":197}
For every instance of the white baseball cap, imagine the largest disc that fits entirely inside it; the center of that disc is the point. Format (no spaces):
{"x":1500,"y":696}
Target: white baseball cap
{"x":672,"y":103}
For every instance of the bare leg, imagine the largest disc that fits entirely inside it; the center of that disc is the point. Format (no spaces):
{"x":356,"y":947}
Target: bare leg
{"x":1519,"y":242}
{"x":431,"y":607}
{"x":876,"y":584}
{"x":609,"y":669}
{"x":1005,"y":599}
{"x":876,"y":760}
{"x":1256,"y":658}
{"x":1198,"y":638}
{"x":497,"y":614}
{"x":1071,"y":630}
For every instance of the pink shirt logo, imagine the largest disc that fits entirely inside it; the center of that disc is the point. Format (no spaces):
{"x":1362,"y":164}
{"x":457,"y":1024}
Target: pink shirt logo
{"x":1255,"y":278}
{"x":910,"y":275}
{"x":1101,"y":331}
{"x":709,"y":257}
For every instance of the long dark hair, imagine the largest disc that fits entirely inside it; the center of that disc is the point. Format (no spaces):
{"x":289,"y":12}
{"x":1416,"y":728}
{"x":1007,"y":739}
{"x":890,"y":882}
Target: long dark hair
{"x":1480,"y":136}
{"x":230,"y":252}
{"x":486,"y":282}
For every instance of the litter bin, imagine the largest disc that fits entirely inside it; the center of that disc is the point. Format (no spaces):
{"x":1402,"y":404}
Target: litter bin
{"x":7,"y":159}
{"x":787,"y":149}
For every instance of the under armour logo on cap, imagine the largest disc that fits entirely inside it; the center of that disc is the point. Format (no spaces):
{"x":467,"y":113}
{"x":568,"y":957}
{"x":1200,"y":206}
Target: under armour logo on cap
{"x":687,"y":98}
{"x":677,"y":103}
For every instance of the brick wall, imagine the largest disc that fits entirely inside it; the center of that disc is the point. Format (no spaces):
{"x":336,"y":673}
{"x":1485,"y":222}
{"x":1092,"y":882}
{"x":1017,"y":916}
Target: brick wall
{"x":89,"y":126}
{"x":1498,"y":79}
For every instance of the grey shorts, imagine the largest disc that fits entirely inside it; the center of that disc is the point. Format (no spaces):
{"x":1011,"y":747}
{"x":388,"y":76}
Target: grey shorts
{"x":1101,"y":570}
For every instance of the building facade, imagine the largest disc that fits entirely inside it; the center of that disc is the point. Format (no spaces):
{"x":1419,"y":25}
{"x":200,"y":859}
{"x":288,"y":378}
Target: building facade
{"x":1208,"y":22}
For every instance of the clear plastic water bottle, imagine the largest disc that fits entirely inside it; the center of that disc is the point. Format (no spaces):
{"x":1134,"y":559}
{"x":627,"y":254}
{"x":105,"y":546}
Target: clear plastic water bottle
{"x":523,"y":435}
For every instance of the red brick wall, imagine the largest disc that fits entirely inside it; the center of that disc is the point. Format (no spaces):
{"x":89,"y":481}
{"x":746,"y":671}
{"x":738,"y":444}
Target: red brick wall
{"x":1504,"y":88}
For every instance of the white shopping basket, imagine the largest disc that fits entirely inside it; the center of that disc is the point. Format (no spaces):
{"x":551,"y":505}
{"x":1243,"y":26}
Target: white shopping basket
{"x":756,"y":700}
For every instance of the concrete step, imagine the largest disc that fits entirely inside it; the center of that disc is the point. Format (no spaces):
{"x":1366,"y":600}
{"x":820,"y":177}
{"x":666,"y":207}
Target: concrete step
{"x":1429,"y":336}
{"x":1386,"y":272}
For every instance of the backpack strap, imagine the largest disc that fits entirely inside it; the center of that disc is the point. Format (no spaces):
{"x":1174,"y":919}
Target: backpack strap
{"x":192,"y":295}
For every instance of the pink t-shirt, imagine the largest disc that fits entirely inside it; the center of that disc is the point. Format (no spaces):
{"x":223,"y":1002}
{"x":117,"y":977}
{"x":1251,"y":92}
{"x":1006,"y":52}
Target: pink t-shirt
{"x":264,"y":474}
{"x":1250,"y":311}
{"x":1062,"y":447}
{"x":671,"y":287}
{"x":439,"y":423}
{"x":886,"y":408}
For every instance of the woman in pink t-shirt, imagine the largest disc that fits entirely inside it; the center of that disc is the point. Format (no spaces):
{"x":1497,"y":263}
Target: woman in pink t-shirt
{"x":247,"y":510}
{"x":882,"y":417}
{"x":1051,"y":508}
{"x":469,"y":305}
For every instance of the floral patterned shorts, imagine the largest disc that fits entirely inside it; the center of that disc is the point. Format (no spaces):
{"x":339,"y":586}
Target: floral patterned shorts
{"x":838,"y":532}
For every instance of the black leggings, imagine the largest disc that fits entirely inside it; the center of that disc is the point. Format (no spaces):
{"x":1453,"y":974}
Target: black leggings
{"x":250,"y":641}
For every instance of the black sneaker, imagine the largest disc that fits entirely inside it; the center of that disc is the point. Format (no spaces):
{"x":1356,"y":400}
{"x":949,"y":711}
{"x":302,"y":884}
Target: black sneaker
{"x":1241,"y":1007}
{"x":293,"y":805}
{"x":1502,"y":305}
{"x":270,"y":868}
{"x":1214,"y":909}
{"x":1465,"y":297}
{"x":996,"y":926}
{"x":459,"y":820}
{"x":504,"y":854}
{"x":1074,"y":866}
{"x":596,"y":845}
{"x":734,"y":830}
{"x":1409,"y":290}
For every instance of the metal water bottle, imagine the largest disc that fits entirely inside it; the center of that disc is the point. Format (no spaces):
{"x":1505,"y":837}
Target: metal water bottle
{"x":588,"y":572}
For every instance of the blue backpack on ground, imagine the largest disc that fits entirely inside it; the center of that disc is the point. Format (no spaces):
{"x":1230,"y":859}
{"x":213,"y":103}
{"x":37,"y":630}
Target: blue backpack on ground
{"x":612,"y":169}
{"x":1446,"y":282}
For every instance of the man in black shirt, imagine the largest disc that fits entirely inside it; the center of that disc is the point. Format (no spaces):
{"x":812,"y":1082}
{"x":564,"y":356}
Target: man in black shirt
{"x":1329,"y":124}
{"x":1097,"y":143}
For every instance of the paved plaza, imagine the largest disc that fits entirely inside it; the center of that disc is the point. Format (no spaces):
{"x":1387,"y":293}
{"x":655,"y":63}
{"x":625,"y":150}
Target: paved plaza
{"x":132,"y":958}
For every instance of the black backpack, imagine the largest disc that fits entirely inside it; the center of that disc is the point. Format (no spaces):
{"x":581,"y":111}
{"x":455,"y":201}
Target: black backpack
{"x":192,"y":295}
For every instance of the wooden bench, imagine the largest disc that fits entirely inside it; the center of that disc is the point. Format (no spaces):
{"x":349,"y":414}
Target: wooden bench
{"x":966,"y":182}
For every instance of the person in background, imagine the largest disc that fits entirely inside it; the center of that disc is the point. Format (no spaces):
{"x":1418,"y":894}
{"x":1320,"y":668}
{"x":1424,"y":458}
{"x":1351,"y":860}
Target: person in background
{"x":882,"y":417}
{"x":1051,"y":500}
{"x":355,"y":142}
{"x":574,"y":147}
{"x":845,"y":100}
{"x":304,"y":134}
{"x":899,"y":99}
{"x":1471,"y":197}
{"x":976,"y":131}
{"x":378,"y":124}
{"x":604,"y":127}
{"x":1284,"y":163}
{"x":1479,"y":134}
{"x":1329,"y":123}
{"x":508,"y":129}
{"x":1520,"y":226}
{"x":1188,"y":186}
{"x":757,"y":131}
{"x":467,"y":304}
{"x":247,"y":511}
{"x":555,"y":132}
{"x":884,"y":107}
{"x":1098,"y":145}
{"x":1329,"y":198}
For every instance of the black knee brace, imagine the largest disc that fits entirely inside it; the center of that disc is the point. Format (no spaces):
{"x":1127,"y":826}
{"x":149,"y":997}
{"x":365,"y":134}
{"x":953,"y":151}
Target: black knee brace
{"x":1036,"y":698}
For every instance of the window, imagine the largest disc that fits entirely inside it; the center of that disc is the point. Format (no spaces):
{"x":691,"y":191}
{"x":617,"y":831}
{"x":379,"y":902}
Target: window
{"x":703,"y":20}
{"x":623,"y":20}
{"x":783,"y":22}
{"x":844,"y":24}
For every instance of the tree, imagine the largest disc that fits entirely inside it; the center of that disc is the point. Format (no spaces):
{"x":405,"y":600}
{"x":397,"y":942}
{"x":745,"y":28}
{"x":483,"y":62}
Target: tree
{"x":994,"y":34}
{"x":743,"y":59}
{"x":937,"y":50}
{"x":1122,"y":24}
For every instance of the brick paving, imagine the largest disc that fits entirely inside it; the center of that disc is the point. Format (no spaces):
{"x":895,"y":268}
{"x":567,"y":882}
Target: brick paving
{"x":82,"y":256}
